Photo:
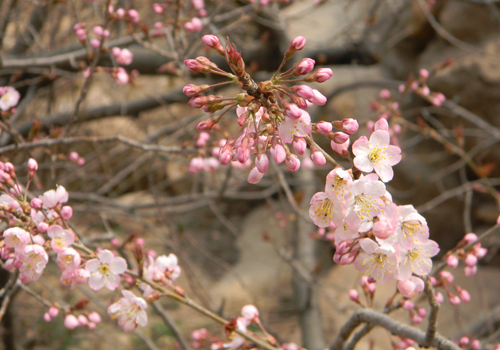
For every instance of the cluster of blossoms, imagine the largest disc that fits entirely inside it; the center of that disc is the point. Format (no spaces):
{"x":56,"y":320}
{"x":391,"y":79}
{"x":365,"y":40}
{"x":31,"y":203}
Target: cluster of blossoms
{"x":38,"y":229}
{"x":420,"y":87}
{"x":272,"y":116}
{"x":384,"y":240}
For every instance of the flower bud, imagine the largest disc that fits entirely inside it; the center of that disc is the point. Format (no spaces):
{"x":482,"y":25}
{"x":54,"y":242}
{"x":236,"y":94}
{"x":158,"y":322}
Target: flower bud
{"x":278,"y":153}
{"x":249,"y":312}
{"x":470,"y":270}
{"x":408,"y":305}
{"x":293,"y":111}
{"x":475,"y":345}
{"x":354,"y":295}
{"x":421,"y":311}
{"x":439,"y":297}
{"x":350,"y":126}
{"x":318,"y":158}
{"x":452,"y":261}
{"x":94,"y":317}
{"x":304,"y":67}
{"x":71,"y":322}
{"x":323,"y":128}
{"x":299,"y":145}
{"x":32,"y":167}
{"x":297,"y":44}
{"x":292,"y":162}
{"x":454,"y":300}
{"x":206,"y":125}
{"x":470,"y":260}
{"x":470,"y":238}
{"x":53,"y":311}
{"x":213,"y":42}
{"x":46,"y":317}
{"x":82,"y":320}
{"x":318,"y":98}
{"x":66,"y":212}
{"x":464,"y":341}
{"x":36,"y":203}
{"x":339,"y":137}
{"x":42,"y":227}
{"x":262,"y":163}
{"x":415,"y":319}
{"x":463,"y":294}
{"x":254,"y":176}
{"x":424,"y":73}
{"x":385,"y":94}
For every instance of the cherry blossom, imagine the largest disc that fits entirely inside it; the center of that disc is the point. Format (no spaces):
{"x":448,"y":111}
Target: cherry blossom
{"x":411,"y":287}
{"x":412,"y":227}
{"x":378,"y":262}
{"x":129,"y":311}
{"x":52,"y":198}
{"x":34,"y":259}
{"x":69,"y":259}
{"x":376,"y":154}
{"x":16,"y":238}
{"x":295,"y":127}
{"x":324,"y":209}
{"x":61,"y":239}
{"x":9,"y":97}
{"x":417,"y":260}
{"x":105,"y":270}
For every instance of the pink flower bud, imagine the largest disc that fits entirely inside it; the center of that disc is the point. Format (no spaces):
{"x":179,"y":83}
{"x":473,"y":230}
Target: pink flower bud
{"x":470,"y":270}
{"x":446,"y":277}
{"x":426,"y":91}
{"x":340,"y":148}
{"x":304,"y":67}
{"x":94,"y":317}
{"x":408,"y":305}
{"x":206,"y":125}
{"x":262,"y":163}
{"x":354,"y":295}
{"x":470,"y":260}
{"x":278,"y":153}
{"x":157,"y":8}
{"x":71,"y":322}
{"x":53,"y":311}
{"x":42,"y":227}
{"x":46,"y":317}
{"x":424,"y":73}
{"x":421,"y":312}
{"x":292,"y":162}
{"x":32,"y":165}
{"x":225,"y":155}
{"x":323,"y":128}
{"x":254,"y":176}
{"x":293,"y":111}
{"x":304,"y":91}
{"x":454,"y":300}
{"x":73,"y":156}
{"x":297,"y":44}
{"x":133,"y":15}
{"x":66,"y":212}
{"x":106,"y":34}
{"x":249,"y":312}
{"x":299,"y":145}
{"x":38,"y":239}
{"x":95,"y":43}
{"x":381,"y":124}
{"x":470,"y":238}
{"x":91,"y":325}
{"x":463,"y":294}
{"x":120,"y":12}
{"x":475,"y":345}
{"x":340,"y":137}
{"x":480,"y":252}
{"x":8,"y":167}
{"x":439,"y":297}
{"x":385,"y":94}
{"x":318,"y":158}
{"x":318,"y":98}
{"x":464,"y":341}
{"x":323,"y":74}
{"x":372,"y":287}
{"x":97,"y":30}
{"x":350,"y":126}
{"x":82,"y":320}
{"x":36,"y":203}
{"x":452,"y":261}
{"x":415,"y":319}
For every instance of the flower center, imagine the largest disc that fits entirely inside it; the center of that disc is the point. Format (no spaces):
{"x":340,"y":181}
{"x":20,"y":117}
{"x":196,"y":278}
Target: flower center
{"x":104,"y":269}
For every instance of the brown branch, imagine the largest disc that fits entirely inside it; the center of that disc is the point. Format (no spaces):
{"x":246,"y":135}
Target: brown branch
{"x":393,"y":326}
{"x":431,"y":326}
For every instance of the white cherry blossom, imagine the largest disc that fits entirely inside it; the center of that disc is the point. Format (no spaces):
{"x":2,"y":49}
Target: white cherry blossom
{"x":105,"y":270}
{"x":129,"y":311}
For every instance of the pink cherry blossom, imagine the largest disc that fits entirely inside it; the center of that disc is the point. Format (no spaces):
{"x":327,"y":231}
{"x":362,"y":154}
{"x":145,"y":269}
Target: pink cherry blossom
{"x":69,"y":259}
{"x":34,"y":259}
{"x":378,"y":262}
{"x":340,"y":148}
{"x":254,"y":176}
{"x":376,"y":154}
{"x":412,"y":227}
{"x":295,"y":127}
{"x":324,"y":209}
{"x":71,"y":322}
{"x":249,"y":312}
{"x":105,"y":270}
{"x":339,"y":183}
{"x":16,"y":238}
{"x":122,"y":56}
{"x":129,"y":311}
{"x":10,"y":97}
{"x":417,"y":260}
{"x":72,"y":278}
{"x":53,"y":198}
{"x":367,"y":197}
{"x":61,"y":239}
